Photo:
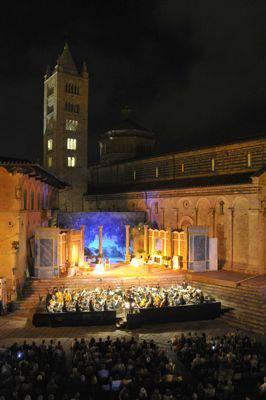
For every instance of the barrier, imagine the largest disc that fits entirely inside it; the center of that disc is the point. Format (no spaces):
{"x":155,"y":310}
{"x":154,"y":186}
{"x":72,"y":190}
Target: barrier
{"x":194,"y":312}
{"x":74,"y":318}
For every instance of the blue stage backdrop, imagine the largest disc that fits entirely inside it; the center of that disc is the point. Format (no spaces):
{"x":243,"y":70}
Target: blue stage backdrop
{"x":114,"y":232}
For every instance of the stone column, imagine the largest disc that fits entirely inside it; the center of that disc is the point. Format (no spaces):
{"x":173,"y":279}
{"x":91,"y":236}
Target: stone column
{"x":127,"y":258}
{"x":170,"y":246}
{"x":256,"y":241}
{"x":213,"y":221}
{"x":162,"y":209}
{"x":165,"y":243}
{"x":232,"y":238}
{"x":196,"y":216}
{"x":176,"y":217}
{"x":152,"y":242}
{"x":100,"y":229}
{"x":146,"y":240}
{"x":82,"y":242}
{"x":179,"y":244}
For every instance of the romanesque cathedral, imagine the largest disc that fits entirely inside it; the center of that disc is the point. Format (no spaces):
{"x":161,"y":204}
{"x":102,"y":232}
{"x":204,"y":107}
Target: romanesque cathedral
{"x":221,"y":187}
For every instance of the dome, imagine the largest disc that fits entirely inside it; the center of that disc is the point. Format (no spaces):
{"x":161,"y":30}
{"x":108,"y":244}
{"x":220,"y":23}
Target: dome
{"x":126,"y":140}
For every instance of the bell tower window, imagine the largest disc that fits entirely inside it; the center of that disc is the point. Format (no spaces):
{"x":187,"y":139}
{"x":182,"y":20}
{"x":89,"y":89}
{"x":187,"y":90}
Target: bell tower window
{"x":71,"y":144}
{"x":71,"y":161}
{"x":71,"y":125}
{"x":50,"y":144}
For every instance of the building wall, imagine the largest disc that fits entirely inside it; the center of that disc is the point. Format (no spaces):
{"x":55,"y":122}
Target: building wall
{"x":238,"y":157}
{"x":235,"y":214}
{"x":18,"y":223}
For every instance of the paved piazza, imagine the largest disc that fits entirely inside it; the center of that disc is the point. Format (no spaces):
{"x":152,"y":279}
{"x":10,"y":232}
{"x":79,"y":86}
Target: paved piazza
{"x":18,"y":327}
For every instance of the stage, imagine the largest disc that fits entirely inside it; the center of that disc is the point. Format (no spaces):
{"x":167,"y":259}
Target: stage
{"x":150,"y":316}
{"x":127,"y":274}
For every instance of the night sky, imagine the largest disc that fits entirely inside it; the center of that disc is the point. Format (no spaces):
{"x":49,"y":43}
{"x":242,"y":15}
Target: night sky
{"x":192,"y":71}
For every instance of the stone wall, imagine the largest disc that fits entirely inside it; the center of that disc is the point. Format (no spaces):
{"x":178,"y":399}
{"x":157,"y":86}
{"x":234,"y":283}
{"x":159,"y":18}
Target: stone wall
{"x":239,"y":157}
{"x":17,"y":225}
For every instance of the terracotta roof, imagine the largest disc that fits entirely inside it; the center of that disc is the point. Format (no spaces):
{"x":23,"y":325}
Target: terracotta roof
{"x":36,"y":171}
{"x":178,"y":183}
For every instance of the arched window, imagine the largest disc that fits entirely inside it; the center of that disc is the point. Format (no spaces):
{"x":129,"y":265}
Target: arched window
{"x":44,"y":200}
{"x":221,"y":204}
{"x":213,"y":165}
{"x":32,"y":200}
{"x":249,"y":159}
{"x":39,"y":201}
{"x":25,"y":199}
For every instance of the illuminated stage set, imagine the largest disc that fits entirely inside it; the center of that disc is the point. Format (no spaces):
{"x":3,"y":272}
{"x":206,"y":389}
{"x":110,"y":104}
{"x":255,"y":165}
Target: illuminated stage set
{"x":118,"y":242}
{"x":120,"y":245}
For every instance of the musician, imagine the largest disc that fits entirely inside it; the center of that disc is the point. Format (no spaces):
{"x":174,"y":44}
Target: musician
{"x":48,"y":299}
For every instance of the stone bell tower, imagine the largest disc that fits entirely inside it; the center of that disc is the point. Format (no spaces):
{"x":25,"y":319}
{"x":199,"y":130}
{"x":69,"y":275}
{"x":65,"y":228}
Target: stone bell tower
{"x":65,"y":127}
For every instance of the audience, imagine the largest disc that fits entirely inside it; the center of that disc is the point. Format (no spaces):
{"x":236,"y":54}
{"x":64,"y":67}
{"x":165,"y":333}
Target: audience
{"x":223,"y":368}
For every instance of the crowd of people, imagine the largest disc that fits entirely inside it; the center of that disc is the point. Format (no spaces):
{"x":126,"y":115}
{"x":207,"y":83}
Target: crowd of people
{"x":224,"y":367}
{"x":32,"y":372}
{"x":65,"y":300}
{"x":230,"y":367}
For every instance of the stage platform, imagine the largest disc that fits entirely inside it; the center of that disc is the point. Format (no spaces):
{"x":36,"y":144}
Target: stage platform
{"x":124,"y":275}
{"x":143,"y":316}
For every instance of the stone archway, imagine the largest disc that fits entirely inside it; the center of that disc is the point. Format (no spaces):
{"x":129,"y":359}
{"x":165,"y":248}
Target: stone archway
{"x":204,"y":213}
{"x":186,"y":222}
